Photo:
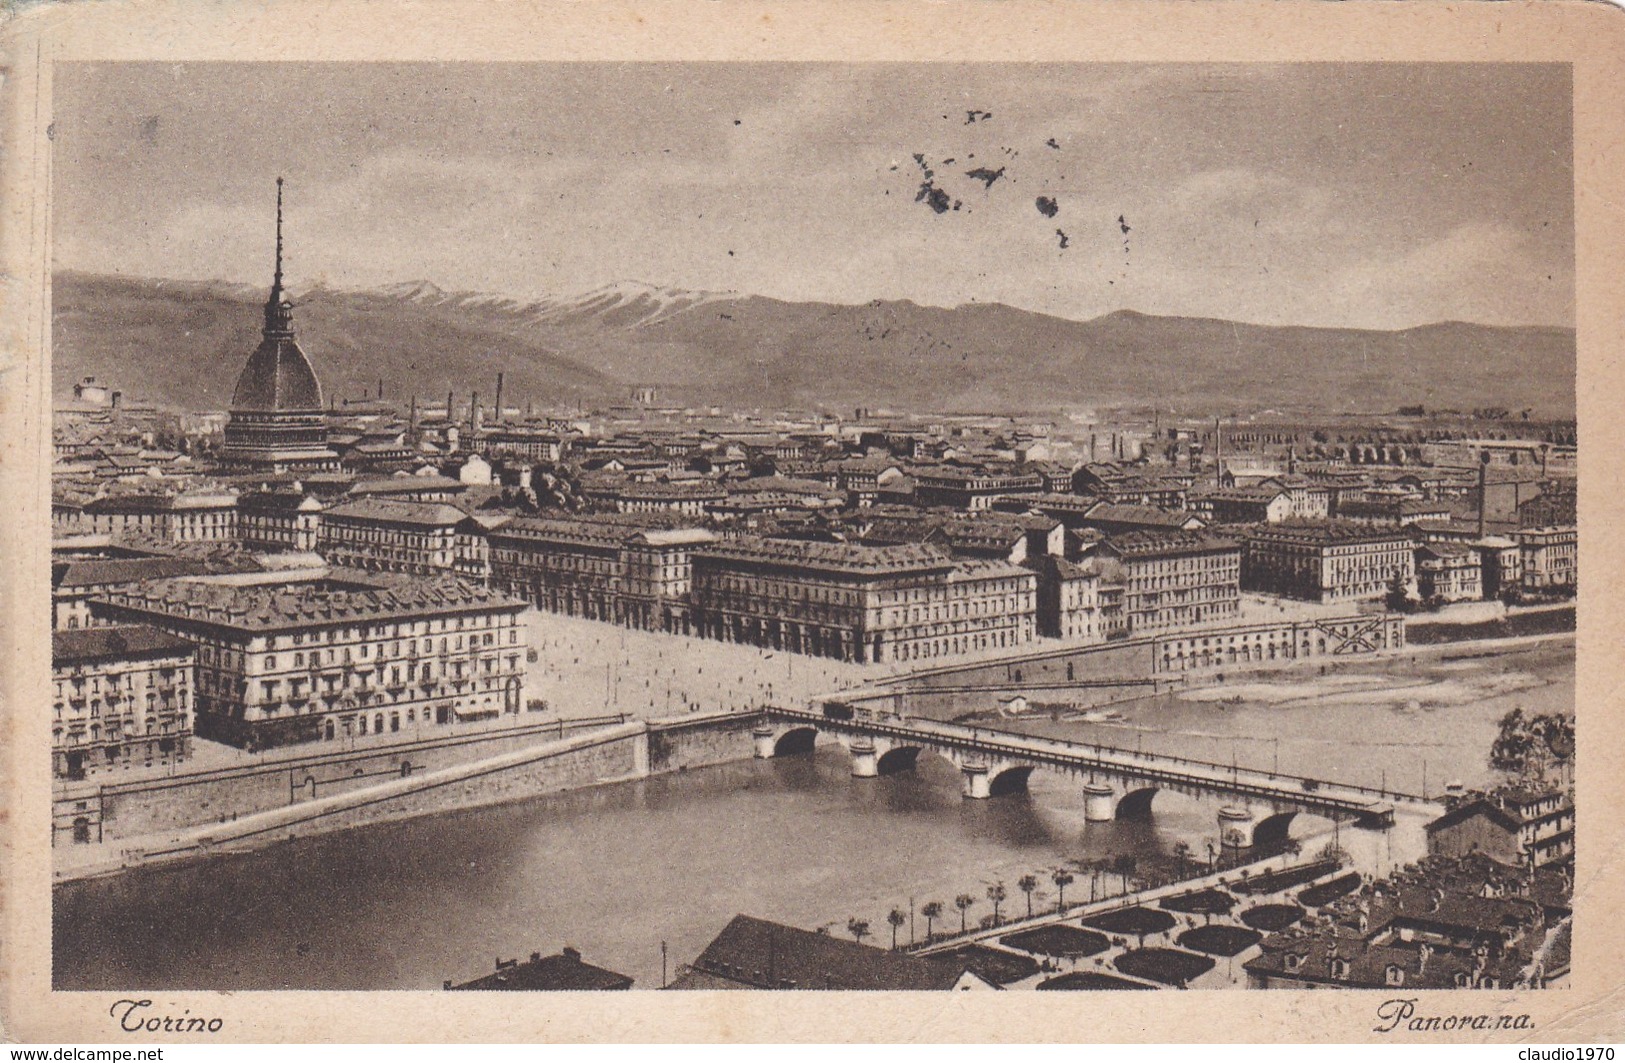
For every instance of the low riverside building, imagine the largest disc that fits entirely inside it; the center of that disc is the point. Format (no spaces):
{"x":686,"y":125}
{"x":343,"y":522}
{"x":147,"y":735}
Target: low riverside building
{"x":279,"y":664}
{"x":860,"y":603}
{"x":385,"y":535}
{"x":1527,"y":828}
{"x":1283,"y":641}
{"x":122,"y":696}
{"x":620,"y":571}
{"x":755,"y":953}
{"x":1175,"y":580}
{"x":563,"y":971}
{"x":1327,"y":561}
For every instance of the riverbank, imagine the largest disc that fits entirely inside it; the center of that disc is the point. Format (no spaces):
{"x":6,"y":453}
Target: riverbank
{"x":1247,"y":715}
{"x":605,"y":755}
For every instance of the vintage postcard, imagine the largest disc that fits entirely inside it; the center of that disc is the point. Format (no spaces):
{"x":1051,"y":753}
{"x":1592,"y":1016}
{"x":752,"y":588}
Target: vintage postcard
{"x":894,"y":500}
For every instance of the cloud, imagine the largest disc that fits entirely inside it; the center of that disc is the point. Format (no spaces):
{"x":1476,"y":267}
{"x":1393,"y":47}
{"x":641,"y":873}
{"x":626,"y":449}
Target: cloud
{"x":1313,"y":194}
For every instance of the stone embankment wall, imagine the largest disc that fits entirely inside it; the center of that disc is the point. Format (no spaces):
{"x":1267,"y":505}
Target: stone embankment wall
{"x":600,"y":756}
{"x":698,"y":741}
{"x":364,"y":788}
{"x":109,"y":811}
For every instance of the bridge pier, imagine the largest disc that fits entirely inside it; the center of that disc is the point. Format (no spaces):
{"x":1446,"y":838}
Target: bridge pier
{"x":1099,"y":802}
{"x":1236,"y":827}
{"x":978,"y":780}
{"x":765,"y":738}
{"x":865,"y":761}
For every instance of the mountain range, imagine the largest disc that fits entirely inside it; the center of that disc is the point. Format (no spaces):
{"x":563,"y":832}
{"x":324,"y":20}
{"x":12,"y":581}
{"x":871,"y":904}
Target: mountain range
{"x":181,"y":344}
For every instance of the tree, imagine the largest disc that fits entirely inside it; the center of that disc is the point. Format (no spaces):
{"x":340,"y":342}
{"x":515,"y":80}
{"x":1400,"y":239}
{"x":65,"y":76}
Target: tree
{"x":1026,"y":884}
{"x":858,"y":928}
{"x":1062,"y":879}
{"x":1400,"y":598}
{"x":932,"y":912}
{"x":1124,"y":865}
{"x":997,"y":894}
{"x":963,"y":903}
{"x":896,"y":917}
{"x":1526,"y":747}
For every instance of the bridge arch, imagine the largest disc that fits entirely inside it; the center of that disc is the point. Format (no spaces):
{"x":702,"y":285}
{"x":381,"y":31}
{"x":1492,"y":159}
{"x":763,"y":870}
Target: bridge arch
{"x":898,"y":758}
{"x":1136,"y":804}
{"x":1010,"y":781}
{"x":798,"y":741}
{"x":1275,"y":829}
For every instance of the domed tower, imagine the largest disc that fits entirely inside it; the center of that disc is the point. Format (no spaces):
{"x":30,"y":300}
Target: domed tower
{"x":276,"y":421}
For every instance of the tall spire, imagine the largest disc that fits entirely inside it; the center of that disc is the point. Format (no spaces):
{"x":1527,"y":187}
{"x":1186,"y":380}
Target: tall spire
{"x":276,"y":284}
{"x":278,"y":311}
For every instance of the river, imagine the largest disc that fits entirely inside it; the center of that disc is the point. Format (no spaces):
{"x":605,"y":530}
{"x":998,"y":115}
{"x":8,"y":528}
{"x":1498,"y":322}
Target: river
{"x":618,"y":869}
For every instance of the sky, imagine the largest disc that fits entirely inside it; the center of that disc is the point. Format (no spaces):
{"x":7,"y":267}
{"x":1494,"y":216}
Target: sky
{"x":1357,"y":195}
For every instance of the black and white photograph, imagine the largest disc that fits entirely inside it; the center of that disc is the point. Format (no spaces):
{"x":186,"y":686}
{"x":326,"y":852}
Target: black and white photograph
{"x":522,"y":527}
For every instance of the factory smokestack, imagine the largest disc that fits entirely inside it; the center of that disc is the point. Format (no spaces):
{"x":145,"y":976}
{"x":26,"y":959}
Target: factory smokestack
{"x":497,"y":413}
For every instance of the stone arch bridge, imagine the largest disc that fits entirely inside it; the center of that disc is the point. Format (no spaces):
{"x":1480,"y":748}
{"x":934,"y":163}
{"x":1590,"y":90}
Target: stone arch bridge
{"x":1258,"y":807}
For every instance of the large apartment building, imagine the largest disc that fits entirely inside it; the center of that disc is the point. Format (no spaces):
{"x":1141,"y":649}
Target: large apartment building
{"x":279,"y":664}
{"x":860,"y":603}
{"x":1550,"y":556}
{"x":1327,"y":561}
{"x":619,"y":571}
{"x":1174,"y":580}
{"x":386,"y":535}
{"x":121,"y":696}
{"x":970,"y":489}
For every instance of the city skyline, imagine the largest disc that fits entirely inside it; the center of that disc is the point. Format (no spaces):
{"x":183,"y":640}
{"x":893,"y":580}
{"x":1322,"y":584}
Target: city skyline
{"x":1377,"y":196}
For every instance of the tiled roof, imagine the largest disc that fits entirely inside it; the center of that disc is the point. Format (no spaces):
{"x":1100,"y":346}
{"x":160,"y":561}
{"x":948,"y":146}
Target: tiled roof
{"x":96,"y":573}
{"x":394,"y":511}
{"x":830,"y":557}
{"x":1150,"y":516}
{"x":607,"y":530}
{"x":122,"y":643}
{"x":767,"y":955}
{"x":272,"y":501}
{"x":565,"y":971}
{"x":1385,"y":507}
{"x":277,"y":607}
{"x":1147,"y":544}
{"x":1326,"y":533}
{"x":400,"y":485}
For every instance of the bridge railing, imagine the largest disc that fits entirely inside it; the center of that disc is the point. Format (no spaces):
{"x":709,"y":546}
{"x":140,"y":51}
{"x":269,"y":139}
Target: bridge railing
{"x":1020,"y":745}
